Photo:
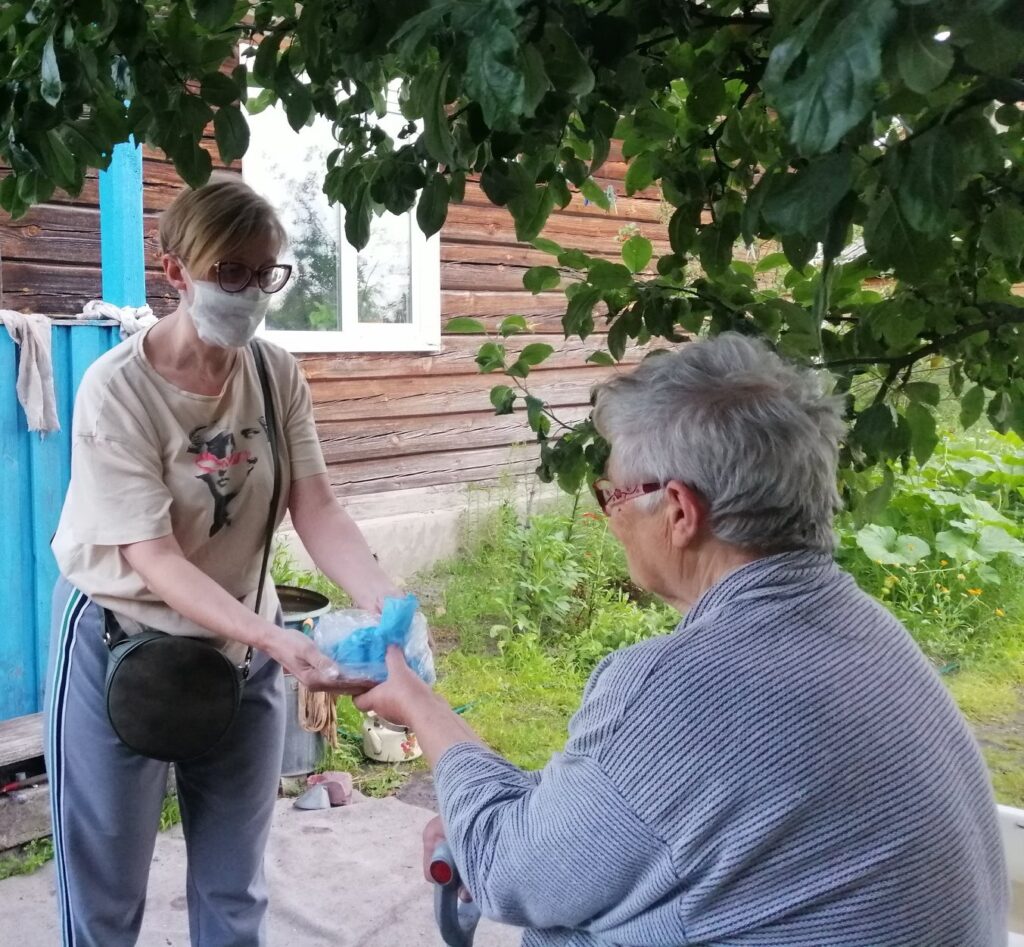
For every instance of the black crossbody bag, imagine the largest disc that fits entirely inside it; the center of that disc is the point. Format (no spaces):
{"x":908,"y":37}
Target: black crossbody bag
{"x":172,"y":697}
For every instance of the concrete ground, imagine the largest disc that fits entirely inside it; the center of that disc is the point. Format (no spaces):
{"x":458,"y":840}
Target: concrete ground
{"x":346,"y":877}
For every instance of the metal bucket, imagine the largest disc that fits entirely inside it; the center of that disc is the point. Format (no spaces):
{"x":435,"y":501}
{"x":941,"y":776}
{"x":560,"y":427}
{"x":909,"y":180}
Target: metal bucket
{"x":303,"y":751}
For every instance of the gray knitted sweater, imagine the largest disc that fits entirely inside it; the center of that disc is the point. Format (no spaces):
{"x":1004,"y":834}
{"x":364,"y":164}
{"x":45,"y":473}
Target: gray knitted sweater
{"x":783,"y":770}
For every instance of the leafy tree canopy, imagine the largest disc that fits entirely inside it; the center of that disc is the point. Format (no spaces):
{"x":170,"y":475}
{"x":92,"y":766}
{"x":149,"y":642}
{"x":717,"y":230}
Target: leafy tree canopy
{"x":877,"y":144}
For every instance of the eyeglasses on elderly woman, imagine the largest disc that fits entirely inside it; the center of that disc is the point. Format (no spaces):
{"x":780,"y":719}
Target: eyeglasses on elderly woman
{"x":608,"y":495}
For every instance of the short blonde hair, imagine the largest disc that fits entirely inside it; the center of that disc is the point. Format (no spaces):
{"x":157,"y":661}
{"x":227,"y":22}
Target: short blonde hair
{"x":207,"y":224}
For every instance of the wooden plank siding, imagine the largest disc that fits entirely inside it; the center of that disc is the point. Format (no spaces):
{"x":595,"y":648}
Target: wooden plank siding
{"x":387,"y":421}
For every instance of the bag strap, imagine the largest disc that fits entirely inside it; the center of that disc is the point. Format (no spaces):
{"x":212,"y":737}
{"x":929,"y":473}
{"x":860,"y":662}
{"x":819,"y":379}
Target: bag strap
{"x":270,"y":419}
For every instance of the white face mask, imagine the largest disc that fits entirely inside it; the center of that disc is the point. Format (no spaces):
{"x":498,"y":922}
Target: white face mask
{"x":227,"y":320}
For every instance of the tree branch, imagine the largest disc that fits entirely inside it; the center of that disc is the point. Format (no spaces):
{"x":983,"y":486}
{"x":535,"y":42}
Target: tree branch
{"x":1007,"y":315}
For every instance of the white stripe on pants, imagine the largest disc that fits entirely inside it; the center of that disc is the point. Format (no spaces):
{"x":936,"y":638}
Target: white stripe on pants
{"x":106,"y":800}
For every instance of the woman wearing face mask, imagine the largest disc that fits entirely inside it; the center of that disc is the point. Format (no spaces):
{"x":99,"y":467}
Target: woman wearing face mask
{"x":164,"y":527}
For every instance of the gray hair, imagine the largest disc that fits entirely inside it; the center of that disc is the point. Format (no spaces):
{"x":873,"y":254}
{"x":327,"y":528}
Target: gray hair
{"x":755,"y":435}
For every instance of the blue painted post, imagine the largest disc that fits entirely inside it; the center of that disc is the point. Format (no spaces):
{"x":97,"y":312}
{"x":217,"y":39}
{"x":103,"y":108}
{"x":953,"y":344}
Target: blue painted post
{"x":121,"y":247}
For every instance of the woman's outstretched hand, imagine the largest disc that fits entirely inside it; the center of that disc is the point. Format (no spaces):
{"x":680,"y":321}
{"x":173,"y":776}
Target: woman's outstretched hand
{"x":315,"y":670}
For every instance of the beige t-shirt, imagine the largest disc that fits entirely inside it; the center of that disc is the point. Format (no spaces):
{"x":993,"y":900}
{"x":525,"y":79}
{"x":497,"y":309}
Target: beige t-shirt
{"x":149,"y":459}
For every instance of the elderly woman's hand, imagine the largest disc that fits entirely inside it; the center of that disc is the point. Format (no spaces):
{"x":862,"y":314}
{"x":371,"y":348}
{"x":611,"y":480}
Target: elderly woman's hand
{"x":396,"y":699}
{"x":434,"y":835}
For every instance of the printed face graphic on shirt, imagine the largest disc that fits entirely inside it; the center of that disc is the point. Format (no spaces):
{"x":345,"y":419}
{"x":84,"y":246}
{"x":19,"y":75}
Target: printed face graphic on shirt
{"x":222,"y":467}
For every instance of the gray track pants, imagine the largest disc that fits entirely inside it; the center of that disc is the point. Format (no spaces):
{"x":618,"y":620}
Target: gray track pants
{"x":106,"y":801}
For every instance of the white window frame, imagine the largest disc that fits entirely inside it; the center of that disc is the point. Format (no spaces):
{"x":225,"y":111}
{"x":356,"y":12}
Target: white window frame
{"x":421,"y":334}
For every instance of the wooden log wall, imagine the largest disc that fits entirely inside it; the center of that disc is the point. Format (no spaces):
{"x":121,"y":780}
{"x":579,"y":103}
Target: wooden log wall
{"x":387,"y":421}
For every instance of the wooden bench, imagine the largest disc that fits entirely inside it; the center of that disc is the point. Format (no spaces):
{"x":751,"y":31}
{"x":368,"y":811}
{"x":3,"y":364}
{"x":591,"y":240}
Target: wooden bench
{"x":21,"y":740}
{"x":26,"y":817}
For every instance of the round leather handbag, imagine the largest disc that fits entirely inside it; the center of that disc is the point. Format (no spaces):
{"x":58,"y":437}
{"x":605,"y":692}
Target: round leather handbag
{"x":169,"y":697}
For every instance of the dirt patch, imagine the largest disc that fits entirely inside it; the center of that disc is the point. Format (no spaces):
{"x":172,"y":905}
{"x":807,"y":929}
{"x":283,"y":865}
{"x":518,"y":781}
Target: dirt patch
{"x":418,"y":790}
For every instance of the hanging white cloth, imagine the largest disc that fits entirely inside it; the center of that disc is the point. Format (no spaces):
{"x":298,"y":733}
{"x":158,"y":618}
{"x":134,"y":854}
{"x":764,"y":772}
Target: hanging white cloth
{"x":131,"y":318}
{"x":31,"y":333}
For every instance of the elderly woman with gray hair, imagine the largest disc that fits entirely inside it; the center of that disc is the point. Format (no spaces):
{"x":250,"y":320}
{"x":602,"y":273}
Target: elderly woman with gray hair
{"x":785,"y":768}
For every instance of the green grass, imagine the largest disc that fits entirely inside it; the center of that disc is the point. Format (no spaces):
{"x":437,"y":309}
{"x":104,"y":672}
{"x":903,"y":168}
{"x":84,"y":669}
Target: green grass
{"x":1007,"y":774}
{"x":521,"y":699}
{"x":26,"y":859}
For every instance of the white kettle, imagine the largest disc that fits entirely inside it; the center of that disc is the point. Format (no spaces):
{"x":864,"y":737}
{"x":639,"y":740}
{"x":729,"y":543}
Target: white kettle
{"x":388,"y":742}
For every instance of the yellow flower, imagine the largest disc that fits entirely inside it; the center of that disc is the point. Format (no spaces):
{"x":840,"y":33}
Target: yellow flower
{"x":1000,"y":613}
{"x":974,"y":591}
{"x":943,"y":562}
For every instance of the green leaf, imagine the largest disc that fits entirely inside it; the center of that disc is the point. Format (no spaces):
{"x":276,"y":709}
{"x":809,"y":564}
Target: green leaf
{"x":11,"y":15}
{"x":716,"y":243}
{"x":49,"y":82}
{"x":298,"y":107}
{"x":491,"y":357}
{"x":705,"y":99}
{"x":214,"y":14}
{"x":503,"y":398}
{"x":65,"y":171}
{"x":600,"y":358}
{"x":591,"y":190}
{"x":219,"y":89}
{"x":640,"y":172}
{"x":535,"y":353}
{"x":893,"y":244}
{"x":681,"y":232}
{"x":232,"y":133}
{"x":874,"y":429}
{"x":569,"y":71}
{"x":636,"y":253}
{"x":536,"y":417}
{"x":437,"y":133}
{"x":618,"y":336}
{"x":531,"y":212}
{"x":191,"y":162}
{"x":509,"y":326}
{"x":927,"y":184}
{"x":538,"y":279}
{"x":432,"y":208}
{"x":882,"y":544}
{"x":922,"y":60}
{"x":923,"y":436}
{"x":771,"y":262}
{"x":493,"y":76}
{"x":605,"y":275}
{"x":547,"y":246}
{"x":575,"y":260}
{"x":535,"y":78}
{"x":579,"y":318}
{"x":463,"y":325}
{"x":956,"y":546}
{"x":875,"y":501}
{"x":971,"y":406}
{"x":802,"y":203}
{"x":1002,"y":233}
{"x":358,"y":211}
{"x":994,"y":540}
{"x":923,"y":392}
{"x":823,"y":83}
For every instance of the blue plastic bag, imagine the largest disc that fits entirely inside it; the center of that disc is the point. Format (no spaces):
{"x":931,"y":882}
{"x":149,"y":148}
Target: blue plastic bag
{"x":358,"y":640}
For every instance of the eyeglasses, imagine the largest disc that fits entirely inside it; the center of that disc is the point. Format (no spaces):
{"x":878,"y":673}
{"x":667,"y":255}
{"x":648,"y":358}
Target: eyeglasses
{"x":609,"y":495}
{"x":233,"y":277}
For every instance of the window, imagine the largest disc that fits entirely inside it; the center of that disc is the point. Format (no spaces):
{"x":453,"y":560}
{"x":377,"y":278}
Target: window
{"x":383,"y":298}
